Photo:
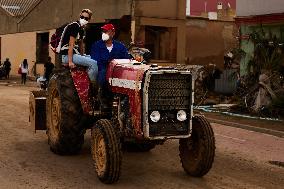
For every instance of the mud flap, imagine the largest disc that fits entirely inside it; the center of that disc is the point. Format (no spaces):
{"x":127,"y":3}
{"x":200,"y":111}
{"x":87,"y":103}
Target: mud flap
{"x":37,"y":106}
{"x":82,"y":85}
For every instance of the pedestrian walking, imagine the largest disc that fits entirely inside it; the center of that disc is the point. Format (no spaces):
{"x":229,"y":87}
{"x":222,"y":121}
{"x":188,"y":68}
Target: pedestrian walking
{"x":24,"y":70}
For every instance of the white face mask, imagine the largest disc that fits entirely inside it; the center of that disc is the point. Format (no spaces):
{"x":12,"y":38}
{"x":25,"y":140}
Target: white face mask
{"x":83,"y":22}
{"x":105,"y":37}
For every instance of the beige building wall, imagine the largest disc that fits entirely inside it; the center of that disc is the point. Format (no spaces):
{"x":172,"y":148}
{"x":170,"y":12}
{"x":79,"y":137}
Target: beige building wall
{"x":103,"y":9}
{"x":19,"y":46}
{"x":8,"y":23}
{"x":172,"y":9}
{"x":50,"y":14}
{"x":208,"y":41}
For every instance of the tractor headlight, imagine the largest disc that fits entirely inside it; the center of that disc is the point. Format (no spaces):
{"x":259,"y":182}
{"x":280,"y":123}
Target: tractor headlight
{"x":181,"y":115}
{"x":155,"y":116}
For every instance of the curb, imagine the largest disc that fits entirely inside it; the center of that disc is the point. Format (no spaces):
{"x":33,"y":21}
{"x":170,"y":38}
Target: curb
{"x":248,"y":127}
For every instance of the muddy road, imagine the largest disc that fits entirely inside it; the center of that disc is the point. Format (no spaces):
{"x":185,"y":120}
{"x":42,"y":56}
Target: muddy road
{"x":26,"y":162}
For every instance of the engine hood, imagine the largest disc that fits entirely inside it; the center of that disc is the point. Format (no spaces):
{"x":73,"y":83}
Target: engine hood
{"x":127,"y":74}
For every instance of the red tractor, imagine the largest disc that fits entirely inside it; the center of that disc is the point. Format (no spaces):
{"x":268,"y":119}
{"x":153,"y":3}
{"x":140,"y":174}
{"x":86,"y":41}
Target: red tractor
{"x":150,"y":104}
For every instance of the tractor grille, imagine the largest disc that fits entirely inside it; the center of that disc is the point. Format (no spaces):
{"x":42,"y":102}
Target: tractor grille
{"x":168,"y":93}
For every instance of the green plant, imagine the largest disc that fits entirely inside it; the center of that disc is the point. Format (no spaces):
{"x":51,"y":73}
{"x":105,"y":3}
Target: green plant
{"x":267,"y":58}
{"x":268,"y":54}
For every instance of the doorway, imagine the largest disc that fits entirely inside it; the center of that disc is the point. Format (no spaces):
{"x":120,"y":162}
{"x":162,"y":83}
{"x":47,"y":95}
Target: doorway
{"x":0,"y":51}
{"x":42,"y":45}
{"x":162,"y":42}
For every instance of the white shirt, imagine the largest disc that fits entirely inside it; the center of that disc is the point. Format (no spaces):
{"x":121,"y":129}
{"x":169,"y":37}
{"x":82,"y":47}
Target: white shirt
{"x":110,"y":48}
{"x":24,"y":70}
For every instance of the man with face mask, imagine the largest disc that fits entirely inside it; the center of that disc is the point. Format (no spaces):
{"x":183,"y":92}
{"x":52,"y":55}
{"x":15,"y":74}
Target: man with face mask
{"x":72,"y":54}
{"x":105,"y":50}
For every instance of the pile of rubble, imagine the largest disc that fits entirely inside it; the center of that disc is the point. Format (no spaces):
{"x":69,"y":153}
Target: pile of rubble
{"x":265,"y":97}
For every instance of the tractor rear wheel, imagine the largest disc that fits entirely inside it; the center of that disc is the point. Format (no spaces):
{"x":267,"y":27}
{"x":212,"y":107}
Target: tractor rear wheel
{"x":197,"y":152}
{"x":106,"y":151}
{"x":65,"y":125}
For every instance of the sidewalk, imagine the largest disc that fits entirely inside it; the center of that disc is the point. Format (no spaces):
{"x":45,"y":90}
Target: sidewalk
{"x":15,"y":80}
{"x":275,"y":128}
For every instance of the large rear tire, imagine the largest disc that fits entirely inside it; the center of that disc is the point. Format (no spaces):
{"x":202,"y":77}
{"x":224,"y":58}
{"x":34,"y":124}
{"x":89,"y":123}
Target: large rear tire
{"x":65,"y":125}
{"x":197,"y":152}
{"x":106,"y":151}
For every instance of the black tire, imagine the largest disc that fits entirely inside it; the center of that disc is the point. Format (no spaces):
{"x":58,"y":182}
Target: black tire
{"x":197,"y":152}
{"x":65,"y":125}
{"x":138,"y":147}
{"x":106,"y":151}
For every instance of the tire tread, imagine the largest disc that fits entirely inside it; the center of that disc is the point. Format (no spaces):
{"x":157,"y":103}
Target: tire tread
{"x":113,"y":150}
{"x":71,"y":134}
{"x":203,"y":166}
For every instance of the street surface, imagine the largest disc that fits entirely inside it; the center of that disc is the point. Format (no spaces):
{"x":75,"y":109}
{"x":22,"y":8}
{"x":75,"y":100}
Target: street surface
{"x":242,"y":158}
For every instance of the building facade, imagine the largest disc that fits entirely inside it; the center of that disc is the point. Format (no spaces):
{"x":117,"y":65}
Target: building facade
{"x":159,"y":25}
{"x":210,"y":30}
{"x":258,"y":16}
{"x":208,"y":41}
{"x":212,"y":9}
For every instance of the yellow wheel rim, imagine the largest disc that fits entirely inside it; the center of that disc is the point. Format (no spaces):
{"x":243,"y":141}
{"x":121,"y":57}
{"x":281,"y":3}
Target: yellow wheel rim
{"x":99,"y":155}
{"x":55,"y":112}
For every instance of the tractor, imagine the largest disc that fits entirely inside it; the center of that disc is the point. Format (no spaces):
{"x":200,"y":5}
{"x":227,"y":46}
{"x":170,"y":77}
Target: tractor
{"x":149,"y":105}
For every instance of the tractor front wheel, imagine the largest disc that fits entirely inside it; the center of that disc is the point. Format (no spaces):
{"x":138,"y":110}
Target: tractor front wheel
{"x":197,"y":152}
{"x":106,"y":151}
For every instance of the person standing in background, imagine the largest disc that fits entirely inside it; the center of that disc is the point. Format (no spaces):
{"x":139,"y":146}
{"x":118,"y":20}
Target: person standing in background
{"x":24,"y":70}
{"x":7,"y":66}
{"x":48,"y":67}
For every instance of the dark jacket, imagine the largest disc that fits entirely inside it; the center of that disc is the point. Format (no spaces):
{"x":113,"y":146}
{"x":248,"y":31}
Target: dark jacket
{"x":100,"y":53}
{"x":7,"y":65}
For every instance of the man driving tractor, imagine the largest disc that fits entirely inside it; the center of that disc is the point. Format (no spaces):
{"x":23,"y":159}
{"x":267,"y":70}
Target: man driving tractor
{"x":103,"y":51}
